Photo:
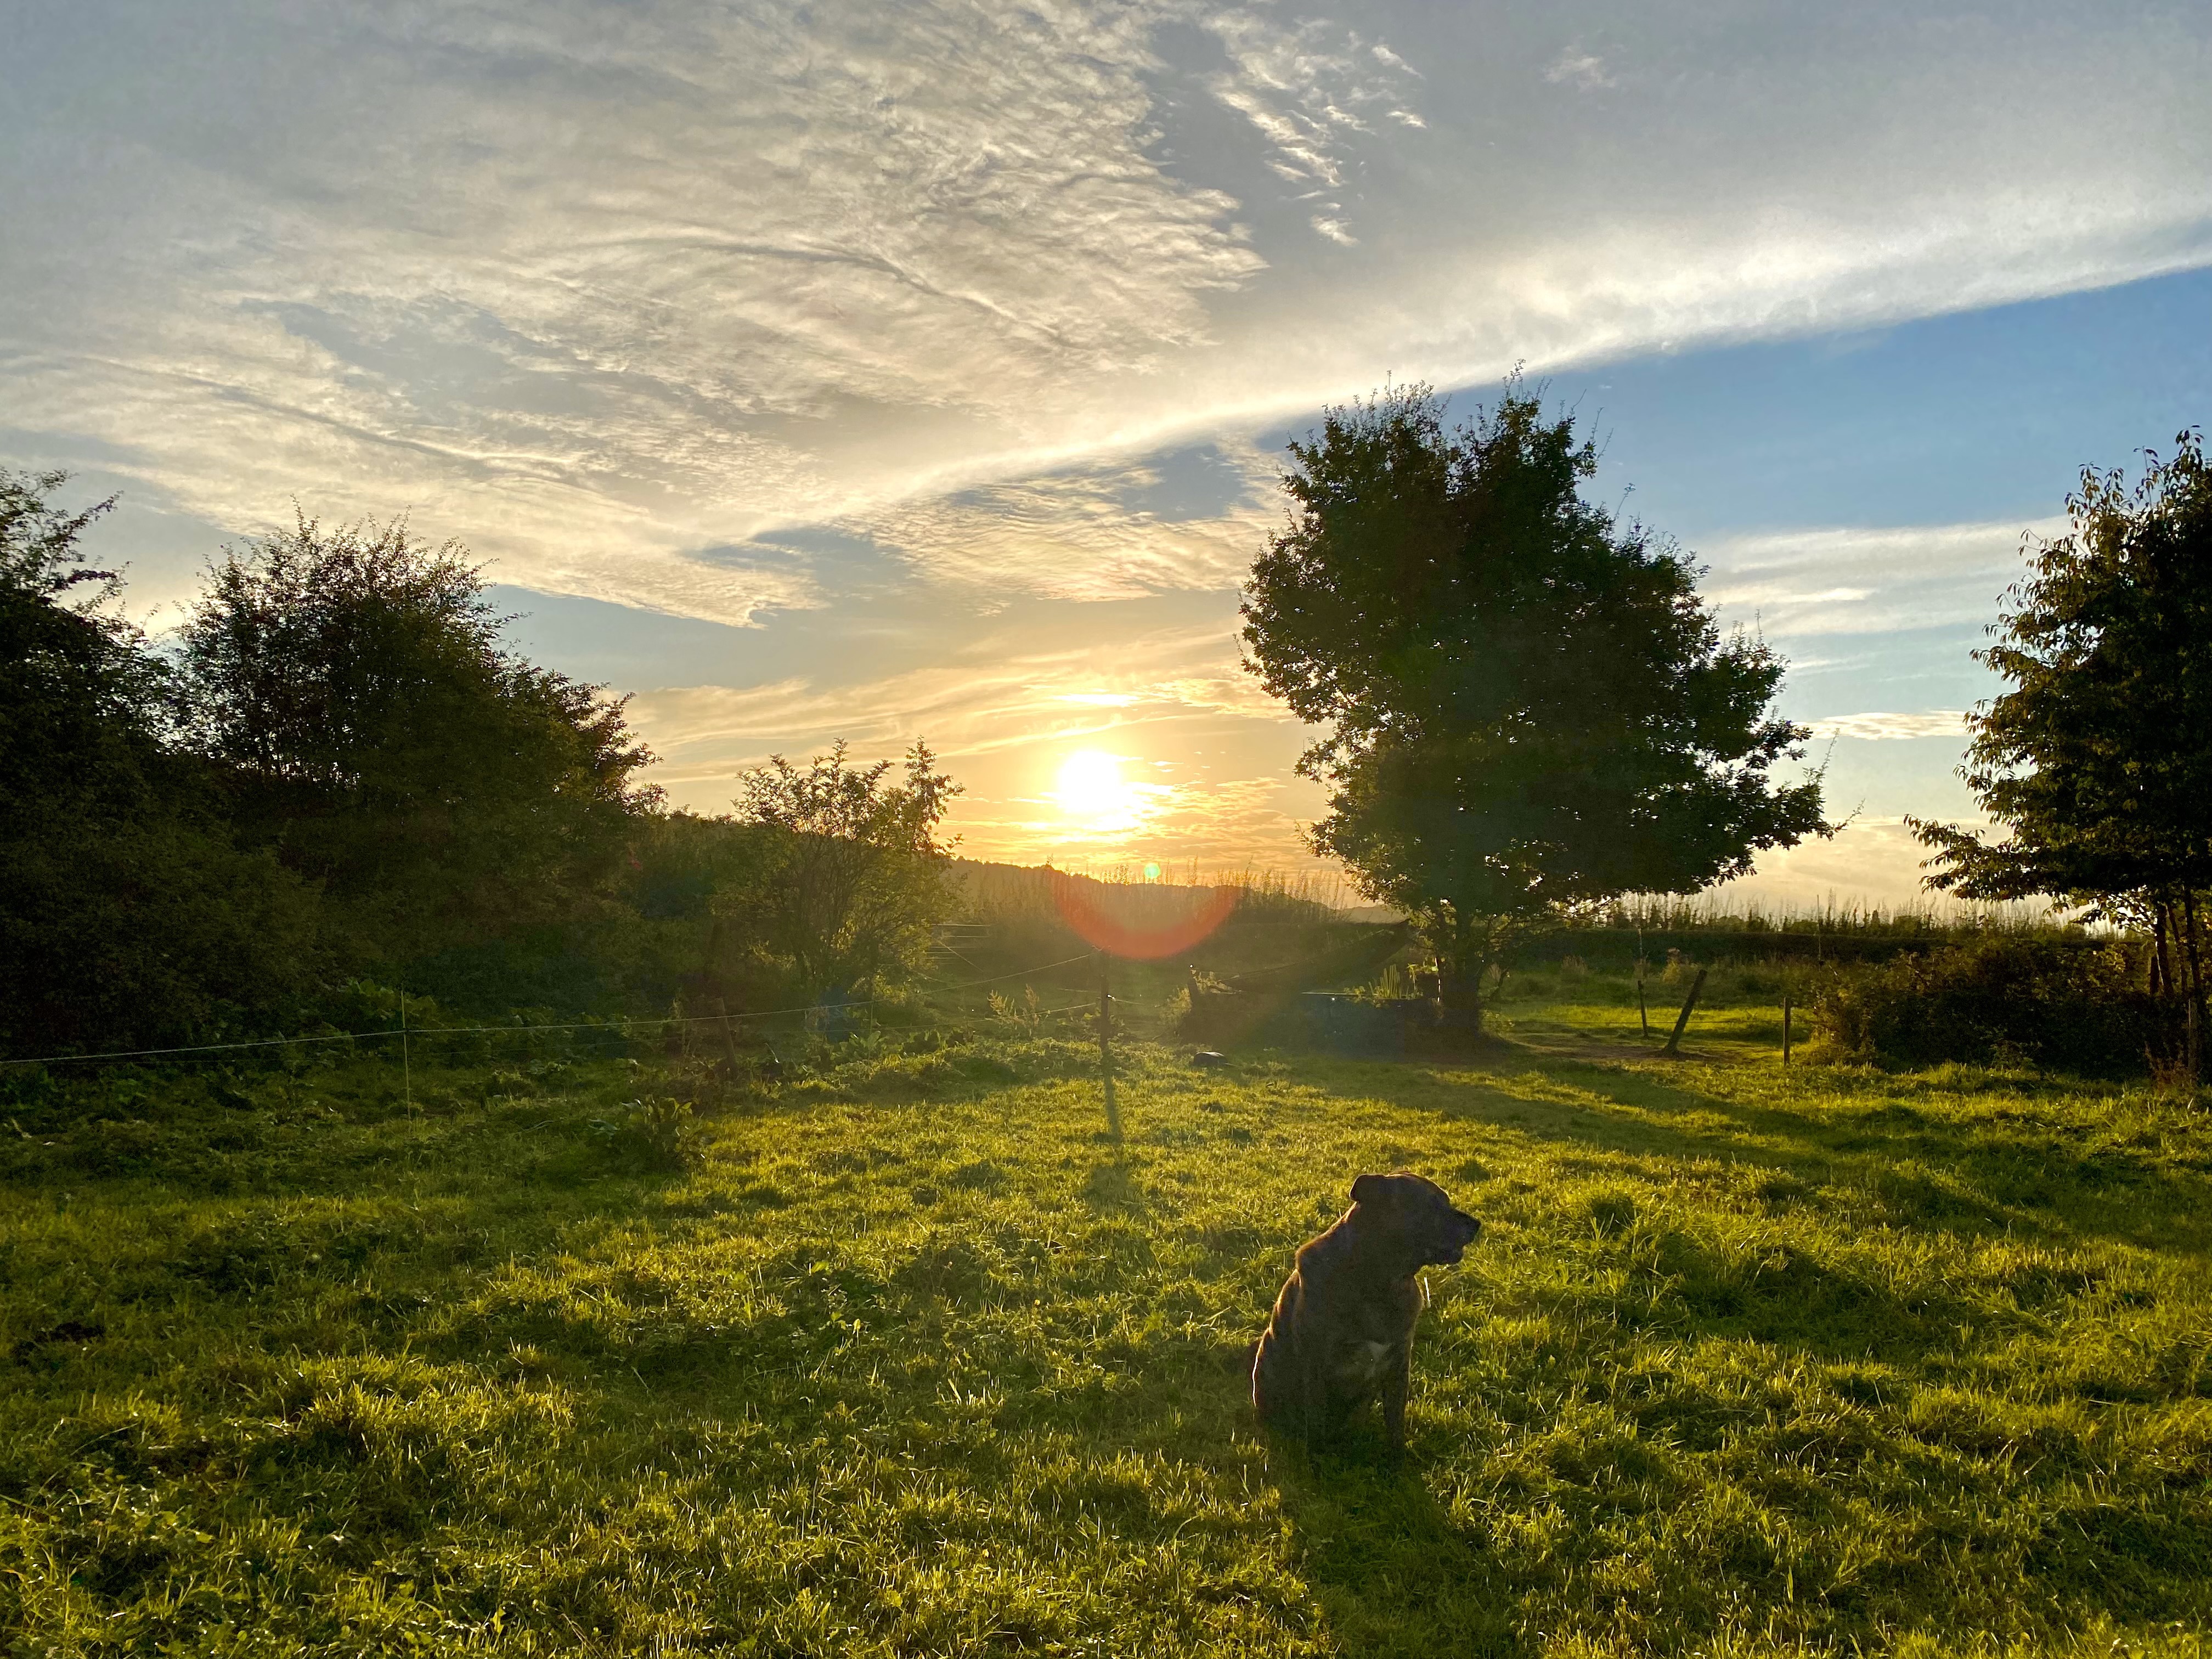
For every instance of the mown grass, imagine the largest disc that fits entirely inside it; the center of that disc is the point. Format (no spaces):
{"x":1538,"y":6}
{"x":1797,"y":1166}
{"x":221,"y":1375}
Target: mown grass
{"x":913,"y":1360}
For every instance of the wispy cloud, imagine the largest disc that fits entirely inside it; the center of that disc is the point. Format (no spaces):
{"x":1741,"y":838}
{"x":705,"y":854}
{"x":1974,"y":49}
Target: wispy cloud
{"x":1885,"y":728}
{"x":596,"y":290}
{"x":1839,"y":580}
{"x":654,"y":303}
{"x":1308,"y":89}
{"x":1585,"y":71}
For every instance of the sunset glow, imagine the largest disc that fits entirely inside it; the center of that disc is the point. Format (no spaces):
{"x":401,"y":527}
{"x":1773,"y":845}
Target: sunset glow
{"x":765,"y":402}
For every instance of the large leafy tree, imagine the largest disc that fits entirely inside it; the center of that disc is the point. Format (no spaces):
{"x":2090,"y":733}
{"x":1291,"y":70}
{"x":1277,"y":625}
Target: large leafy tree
{"x":380,"y":735}
{"x":2098,"y":762}
{"x":127,"y":917}
{"x":1527,"y":705}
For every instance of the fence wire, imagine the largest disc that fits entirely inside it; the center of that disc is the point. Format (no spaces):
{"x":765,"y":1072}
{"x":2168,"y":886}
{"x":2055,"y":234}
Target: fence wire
{"x":623,"y":1022}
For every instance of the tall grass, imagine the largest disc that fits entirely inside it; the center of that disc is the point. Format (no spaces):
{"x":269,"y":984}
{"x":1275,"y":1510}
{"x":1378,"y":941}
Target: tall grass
{"x":1005,"y":893}
{"x":1833,"y":915}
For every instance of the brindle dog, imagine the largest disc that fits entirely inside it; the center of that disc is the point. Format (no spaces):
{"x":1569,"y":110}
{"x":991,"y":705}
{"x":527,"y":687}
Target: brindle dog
{"x":1342,"y":1330}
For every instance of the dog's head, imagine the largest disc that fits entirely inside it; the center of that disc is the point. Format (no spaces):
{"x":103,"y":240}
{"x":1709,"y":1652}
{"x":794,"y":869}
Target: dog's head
{"x":1413,"y":1212}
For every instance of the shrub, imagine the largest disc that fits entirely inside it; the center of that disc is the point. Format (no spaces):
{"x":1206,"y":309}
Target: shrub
{"x":1997,"y":999}
{"x":654,"y":1133}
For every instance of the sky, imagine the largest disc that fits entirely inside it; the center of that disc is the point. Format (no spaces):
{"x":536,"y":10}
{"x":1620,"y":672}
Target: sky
{"x":884,"y":371}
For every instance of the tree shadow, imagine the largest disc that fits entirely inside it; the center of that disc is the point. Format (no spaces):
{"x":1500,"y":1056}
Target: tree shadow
{"x":1927,"y":1170}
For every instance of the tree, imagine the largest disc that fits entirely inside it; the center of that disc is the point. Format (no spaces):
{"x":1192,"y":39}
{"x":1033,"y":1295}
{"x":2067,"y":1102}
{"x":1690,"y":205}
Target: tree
{"x":127,"y":918}
{"x":2097,"y":763}
{"x":850,"y":879}
{"x":383,"y":740}
{"x":1528,"y":706}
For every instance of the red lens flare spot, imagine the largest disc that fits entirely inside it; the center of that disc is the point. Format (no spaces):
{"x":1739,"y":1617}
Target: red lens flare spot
{"x":1150,"y":935}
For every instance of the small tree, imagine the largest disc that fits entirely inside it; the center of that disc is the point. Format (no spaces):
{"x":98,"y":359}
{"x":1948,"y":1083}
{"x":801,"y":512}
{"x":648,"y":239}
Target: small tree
{"x":851,"y":879}
{"x":2099,"y":761}
{"x":380,"y":736}
{"x":1528,"y":706}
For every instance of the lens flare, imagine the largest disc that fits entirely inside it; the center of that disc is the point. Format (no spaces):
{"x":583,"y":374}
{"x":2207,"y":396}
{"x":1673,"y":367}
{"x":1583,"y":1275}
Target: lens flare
{"x":1146,"y":935}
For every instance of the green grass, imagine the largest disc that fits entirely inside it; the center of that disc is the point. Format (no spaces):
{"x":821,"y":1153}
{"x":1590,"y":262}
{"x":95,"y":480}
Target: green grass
{"x":913,"y":1360}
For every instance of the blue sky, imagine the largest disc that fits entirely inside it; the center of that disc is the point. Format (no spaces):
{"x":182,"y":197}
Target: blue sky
{"x":865,"y":371}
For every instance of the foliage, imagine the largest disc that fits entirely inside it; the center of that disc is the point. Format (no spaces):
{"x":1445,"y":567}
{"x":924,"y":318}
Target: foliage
{"x":1025,"y":1014}
{"x":384,"y":741}
{"x":657,"y":1133}
{"x":1528,"y":707}
{"x":127,"y":918}
{"x":1748,"y":1362}
{"x":1997,"y":999}
{"x":847,"y":877}
{"x":2098,"y":762}
{"x":1013,"y":894}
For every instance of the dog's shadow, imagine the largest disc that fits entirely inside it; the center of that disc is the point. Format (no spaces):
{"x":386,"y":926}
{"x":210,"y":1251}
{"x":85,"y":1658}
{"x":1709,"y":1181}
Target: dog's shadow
{"x":1392,"y":1572}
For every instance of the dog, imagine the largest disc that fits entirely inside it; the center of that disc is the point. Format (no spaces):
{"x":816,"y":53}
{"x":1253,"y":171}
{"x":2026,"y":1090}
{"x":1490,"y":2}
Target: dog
{"x":1342,"y":1330}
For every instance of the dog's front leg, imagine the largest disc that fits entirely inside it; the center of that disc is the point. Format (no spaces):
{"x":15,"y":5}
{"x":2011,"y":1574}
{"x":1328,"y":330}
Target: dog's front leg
{"x":1313,"y":1389}
{"x":1397,"y":1382}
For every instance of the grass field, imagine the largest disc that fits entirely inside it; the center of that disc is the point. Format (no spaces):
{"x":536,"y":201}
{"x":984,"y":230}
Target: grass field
{"x":911,"y":1359}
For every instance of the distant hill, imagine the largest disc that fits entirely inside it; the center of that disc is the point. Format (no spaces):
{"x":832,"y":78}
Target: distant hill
{"x":1015,"y":892}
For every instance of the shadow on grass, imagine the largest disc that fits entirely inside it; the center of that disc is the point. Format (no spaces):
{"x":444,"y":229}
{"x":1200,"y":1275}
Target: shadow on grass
{"x":1392,"y":1572}
{"x":1927,"y":1169}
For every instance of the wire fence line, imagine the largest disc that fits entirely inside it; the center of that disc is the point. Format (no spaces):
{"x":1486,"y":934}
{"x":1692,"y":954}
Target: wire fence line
{"x":624,"y":1022}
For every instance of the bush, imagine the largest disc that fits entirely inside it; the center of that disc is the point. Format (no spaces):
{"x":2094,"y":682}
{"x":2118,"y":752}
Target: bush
{"x":1997,"y":1000}
{"x":654,"y":1133}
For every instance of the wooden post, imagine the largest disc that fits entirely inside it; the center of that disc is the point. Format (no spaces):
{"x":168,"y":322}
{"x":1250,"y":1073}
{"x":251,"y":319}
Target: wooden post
{"x":2193,"y":961}
{"x":406,"y":1055}
{"x":1642,"y":1012}
{"x":1785,"y":1028}
{"x":1682,"y":1020}
{"x":729,"y":1036}
{"x":1106,"y":1048}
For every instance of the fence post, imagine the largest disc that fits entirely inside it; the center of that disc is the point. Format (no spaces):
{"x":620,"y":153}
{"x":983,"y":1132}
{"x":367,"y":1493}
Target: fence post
{"x":1106,"y":1048}
{"x":407,"y":1053}
{"x":1681,"y":1021}
{"x":729,"y":1035}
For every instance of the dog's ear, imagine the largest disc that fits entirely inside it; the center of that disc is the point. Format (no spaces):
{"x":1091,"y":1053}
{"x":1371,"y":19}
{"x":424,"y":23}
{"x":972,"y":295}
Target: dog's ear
{"x":1371,"y":1189}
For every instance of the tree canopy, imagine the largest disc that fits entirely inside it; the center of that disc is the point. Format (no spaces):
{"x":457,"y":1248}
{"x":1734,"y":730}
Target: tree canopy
{"x":1526,"y":704}
{"x":850,"y":879}
{"x":127,"y":916}
{"x":2098,"y":762}
{"x":354,"y":683}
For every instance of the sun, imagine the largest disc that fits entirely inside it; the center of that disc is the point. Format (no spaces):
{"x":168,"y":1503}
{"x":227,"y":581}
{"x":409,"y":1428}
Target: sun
{"x":1092,"y":792}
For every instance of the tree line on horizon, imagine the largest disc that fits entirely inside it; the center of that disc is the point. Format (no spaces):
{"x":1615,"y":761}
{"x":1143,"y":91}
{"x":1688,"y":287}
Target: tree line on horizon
{"x":338,"y":781}
{"x":1527,"y":710}
{"x":338,"y":786}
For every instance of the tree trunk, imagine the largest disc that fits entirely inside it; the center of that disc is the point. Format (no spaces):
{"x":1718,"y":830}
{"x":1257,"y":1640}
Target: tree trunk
{"x":1459,"y":999}
{"x":1461,"y":965}
{"x":2193,"y":987}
